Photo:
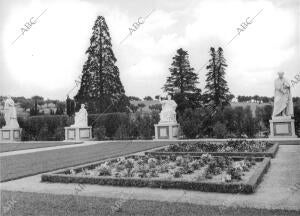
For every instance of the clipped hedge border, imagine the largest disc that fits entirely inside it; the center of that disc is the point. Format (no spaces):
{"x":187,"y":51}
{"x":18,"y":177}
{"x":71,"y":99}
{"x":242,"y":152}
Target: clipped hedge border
{"x":252,"y":183}
{"x":271,"y":152}
{"x":234,"y":187}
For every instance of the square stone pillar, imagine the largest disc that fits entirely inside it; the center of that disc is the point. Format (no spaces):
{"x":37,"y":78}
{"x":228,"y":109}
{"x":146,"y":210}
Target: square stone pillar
{"x":282,"y":127}
{"x":167,"y":131}
{"x":10,"y":134}
{"x":78,"y":133}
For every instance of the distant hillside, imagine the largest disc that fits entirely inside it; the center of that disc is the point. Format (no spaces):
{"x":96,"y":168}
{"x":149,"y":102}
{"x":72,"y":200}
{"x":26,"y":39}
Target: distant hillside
{"x":251,"y":104}
{"x":147,"y":104}
{"x":233,"y":104}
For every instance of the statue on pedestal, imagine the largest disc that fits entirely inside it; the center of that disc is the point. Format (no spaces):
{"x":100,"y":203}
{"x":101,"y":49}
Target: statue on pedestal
{"x":81,"y":118}
{"x":80,"y":130}
{"x":168,"y":112}
{"x":10,"y":114}
{"x":282,"y":125}
{"x":283,"y":103}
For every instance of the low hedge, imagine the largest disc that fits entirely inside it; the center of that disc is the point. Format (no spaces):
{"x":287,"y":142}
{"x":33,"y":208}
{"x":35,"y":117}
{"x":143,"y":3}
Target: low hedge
{"x":232,"y":187}
{"x":270,"y":153}
{"x":43,"y":127}
{"x":251,"y":185}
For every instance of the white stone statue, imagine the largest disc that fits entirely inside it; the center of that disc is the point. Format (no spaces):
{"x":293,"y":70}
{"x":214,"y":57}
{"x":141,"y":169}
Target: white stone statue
{"x":168,"y":113}
{"x":10,"y":114}
{"x":283,"y":103}
{"x":81,"y":119}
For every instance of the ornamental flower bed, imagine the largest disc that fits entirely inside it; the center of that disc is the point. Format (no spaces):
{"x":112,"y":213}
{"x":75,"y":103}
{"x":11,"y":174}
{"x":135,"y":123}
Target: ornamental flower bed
{"x":205,"y":173}
{"x":226,"y":148}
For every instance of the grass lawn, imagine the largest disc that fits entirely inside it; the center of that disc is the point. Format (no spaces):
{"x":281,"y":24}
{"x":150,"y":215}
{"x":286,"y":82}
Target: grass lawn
{"x":22,"y":204}
{"x":6,"y":147}
{"x":16,"y":166}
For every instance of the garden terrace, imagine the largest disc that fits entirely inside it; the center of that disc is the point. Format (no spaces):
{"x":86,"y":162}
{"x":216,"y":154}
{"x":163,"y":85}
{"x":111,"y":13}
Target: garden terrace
{"x":203,"y":173}
{"x":241,"y":148}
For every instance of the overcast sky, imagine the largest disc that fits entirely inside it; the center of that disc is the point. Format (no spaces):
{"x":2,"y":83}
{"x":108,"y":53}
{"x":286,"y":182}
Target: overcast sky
{"x":47,"y":59}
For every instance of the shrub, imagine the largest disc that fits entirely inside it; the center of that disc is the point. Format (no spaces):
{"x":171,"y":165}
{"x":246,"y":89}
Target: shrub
{"x":99,"y":132}
{"x":104,"y":170}
{"x":219,"y":130}
{"x":191,"y":122}
{"x":110,"y":121}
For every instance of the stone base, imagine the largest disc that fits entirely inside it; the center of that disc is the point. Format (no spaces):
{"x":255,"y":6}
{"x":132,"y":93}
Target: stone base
{"x":10,"y":134}
{"x":167,"y":131}
{"x":78,"y":133}
{"x":282,"y":127}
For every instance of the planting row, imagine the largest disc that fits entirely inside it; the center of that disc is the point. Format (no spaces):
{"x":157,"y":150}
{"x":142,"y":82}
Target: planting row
{"x":226,"y":148}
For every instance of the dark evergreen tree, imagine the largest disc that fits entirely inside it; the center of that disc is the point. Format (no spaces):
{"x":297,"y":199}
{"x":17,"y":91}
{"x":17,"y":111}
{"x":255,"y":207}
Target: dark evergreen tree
{"x":217,"y":93}
{"x":181,"y":84}
{"x":101,"y":87}
{"x":70,"y":106}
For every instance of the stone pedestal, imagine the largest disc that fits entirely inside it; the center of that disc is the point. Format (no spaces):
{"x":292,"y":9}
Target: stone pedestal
{"x":167,"y":131}
{"x":78,"y":133}
{"x":282,"y":127}
{"x":10,"y":134}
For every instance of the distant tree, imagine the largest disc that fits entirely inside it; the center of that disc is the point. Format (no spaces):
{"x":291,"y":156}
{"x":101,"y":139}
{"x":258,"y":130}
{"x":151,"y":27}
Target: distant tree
{"x":148,"y":98}
{"x":34,"y":110}
{"x":217,"y":91}
{"x":133,"y":98}
{"x":182,"y":82}
{"x":230,"y":97}
{"x":133,"y":108}
{"x":141,"y":106}
{"x":256,"y":98}
{"x":26,"y":104}
{"x":70,"y":106}
{"x":157,"y":97}
{"x":60,"y":108}
{"x":100,"y":86}
{"x":155,"y":107}
{"x":38,"y":99}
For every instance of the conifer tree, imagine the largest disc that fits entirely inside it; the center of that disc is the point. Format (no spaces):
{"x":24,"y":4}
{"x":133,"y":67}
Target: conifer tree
{"x":101,"y":87}
{"x":217,"y":93}
{"x":181,"y":84}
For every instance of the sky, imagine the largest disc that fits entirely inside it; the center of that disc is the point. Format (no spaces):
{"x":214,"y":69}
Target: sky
{"x":47,"y":59}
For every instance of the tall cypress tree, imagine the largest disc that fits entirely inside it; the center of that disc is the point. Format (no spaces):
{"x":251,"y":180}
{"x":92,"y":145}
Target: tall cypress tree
{"x":184,"y":79}
{"x":101,"y":86}
{"x":217,"y":93}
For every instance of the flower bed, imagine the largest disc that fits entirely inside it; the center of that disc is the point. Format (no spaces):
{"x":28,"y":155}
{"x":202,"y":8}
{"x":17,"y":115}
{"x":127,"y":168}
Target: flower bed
{"x":227,"y":148}
{"x":204,"y":173}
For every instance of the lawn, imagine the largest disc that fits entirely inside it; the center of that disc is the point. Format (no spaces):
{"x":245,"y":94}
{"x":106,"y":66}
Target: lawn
{"x":24,"y":203}
{"x":17,"y":166}
{"x":6,"y":147}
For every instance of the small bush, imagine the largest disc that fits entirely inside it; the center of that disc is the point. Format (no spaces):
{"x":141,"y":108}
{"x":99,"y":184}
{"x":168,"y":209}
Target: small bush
{"x":99,"y":132}
{"x":219,"y":130}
